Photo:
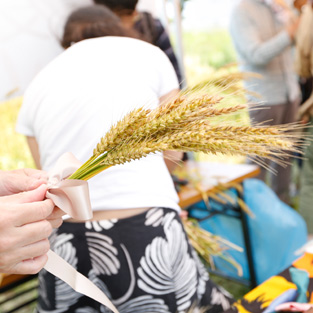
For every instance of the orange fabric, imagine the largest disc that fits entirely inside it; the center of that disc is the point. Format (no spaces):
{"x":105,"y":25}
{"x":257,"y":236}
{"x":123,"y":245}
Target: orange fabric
{"x":258,"y":299}
{"x":305,"y":262}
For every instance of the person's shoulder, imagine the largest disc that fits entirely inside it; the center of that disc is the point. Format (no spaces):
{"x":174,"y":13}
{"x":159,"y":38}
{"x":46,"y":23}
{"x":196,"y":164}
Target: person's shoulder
{"x":139,"y":44}
{"x":107,"y":41}
{"x":244,"y":8}
{"x":240,"y":5}
{"x":147,"y":16}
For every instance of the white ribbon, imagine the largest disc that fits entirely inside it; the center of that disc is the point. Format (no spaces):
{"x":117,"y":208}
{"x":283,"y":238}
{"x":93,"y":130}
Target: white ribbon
{"x":72,"y":196}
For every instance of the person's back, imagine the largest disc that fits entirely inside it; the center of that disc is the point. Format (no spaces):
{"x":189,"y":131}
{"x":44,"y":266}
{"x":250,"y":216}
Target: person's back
{"x":121,"y":77}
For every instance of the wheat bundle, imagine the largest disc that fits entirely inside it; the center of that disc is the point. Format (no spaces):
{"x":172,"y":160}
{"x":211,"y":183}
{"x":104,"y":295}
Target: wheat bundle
{"x":188,"y":124}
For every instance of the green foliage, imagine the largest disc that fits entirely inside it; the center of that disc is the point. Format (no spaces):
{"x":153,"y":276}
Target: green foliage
{"x":182,"y":4}
{"x":237,"y":290}
{"x":210,"y":49}
{"x":14,"y":152}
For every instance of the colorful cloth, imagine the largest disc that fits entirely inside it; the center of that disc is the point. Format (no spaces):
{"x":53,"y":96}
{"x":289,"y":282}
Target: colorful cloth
{"x":260,"y":298}
{"x":143,"y":263}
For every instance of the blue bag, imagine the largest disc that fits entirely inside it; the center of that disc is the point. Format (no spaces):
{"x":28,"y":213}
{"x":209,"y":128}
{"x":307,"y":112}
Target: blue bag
{"x":276,"y":232}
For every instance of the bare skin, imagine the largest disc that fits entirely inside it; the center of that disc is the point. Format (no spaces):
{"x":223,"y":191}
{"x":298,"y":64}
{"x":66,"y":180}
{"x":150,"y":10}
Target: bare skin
{"x":292,"y":28}
{"x":12,"y":182}
{"x":26,"y":221}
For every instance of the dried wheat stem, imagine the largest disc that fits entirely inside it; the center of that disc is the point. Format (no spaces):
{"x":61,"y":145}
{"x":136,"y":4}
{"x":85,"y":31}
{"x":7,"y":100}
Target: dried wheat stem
{"x":121,"y":131}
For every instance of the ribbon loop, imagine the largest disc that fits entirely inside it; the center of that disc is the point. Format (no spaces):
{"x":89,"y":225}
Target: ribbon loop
{"x":72,"y":196}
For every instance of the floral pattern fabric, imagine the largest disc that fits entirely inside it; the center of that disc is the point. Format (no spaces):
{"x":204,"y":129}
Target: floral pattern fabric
{"x":144,"y":264}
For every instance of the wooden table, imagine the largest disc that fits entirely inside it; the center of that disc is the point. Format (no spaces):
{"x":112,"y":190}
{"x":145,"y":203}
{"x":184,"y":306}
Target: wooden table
{"x":9,"y":280}
{"x":213,"y":174}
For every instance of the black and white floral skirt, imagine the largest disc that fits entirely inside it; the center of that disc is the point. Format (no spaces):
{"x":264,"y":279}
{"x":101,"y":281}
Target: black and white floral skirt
{"x":144,"y":264}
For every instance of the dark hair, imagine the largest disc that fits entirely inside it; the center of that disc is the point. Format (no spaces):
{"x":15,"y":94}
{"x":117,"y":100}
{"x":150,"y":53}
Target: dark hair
{"x":119,"y":6}
{"x":92,"y":22}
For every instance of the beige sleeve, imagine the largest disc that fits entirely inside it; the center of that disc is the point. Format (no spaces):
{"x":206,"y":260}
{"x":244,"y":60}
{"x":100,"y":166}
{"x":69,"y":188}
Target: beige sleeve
{"x":304,"y":44}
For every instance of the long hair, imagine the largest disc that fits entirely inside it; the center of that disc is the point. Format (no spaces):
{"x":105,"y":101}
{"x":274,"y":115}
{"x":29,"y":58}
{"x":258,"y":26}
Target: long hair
{"x":92,"y":22}
{"x":119,"y":6}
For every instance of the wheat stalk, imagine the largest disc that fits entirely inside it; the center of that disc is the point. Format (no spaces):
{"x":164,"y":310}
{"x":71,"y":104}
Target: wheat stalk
{"x":226,"y":79}
{"x":187,"y":124}
{"x":208,"y":245}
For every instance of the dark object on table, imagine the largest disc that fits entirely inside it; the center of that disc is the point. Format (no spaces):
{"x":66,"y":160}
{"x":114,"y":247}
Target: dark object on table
{"x":178,"y":182}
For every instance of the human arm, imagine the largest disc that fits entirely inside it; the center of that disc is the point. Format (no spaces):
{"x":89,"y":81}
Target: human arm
{"x":305,"y":112}
{"x":24,"y":231}
{"x":248,"y":41}
{"x":33,"y":146}
{"x":171,"y":158}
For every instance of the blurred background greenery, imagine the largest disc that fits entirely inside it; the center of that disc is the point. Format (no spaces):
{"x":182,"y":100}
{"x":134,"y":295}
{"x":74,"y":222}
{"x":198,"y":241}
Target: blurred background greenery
{"x":14,"y":152}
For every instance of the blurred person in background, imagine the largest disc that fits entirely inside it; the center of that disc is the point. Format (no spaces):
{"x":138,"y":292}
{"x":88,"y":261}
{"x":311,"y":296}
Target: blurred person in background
{"x":144,"y":23}
{"x":304,"y":67}
{"x":263,"y":32}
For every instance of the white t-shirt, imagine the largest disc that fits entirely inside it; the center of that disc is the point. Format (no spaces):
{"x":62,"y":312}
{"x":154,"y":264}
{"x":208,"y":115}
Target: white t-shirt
{"x":74,"y":101}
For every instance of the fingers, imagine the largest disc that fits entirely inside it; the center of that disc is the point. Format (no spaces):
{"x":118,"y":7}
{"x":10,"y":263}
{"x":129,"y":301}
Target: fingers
{"x":13,"y":182}
{"x":56,"y":223}
{"x":27,"y":221}
{"x":33,"y":212}
{"x":33,"y":179}
{"x":29,"y":206}
{"x":13,"y":239}
{"x":55,"y":218}
{"x":39,"y":174}
{"x":34,"y":232}
{"x":25,"y":253}
{"x":56,"y":214}
{"x":31,"y":266}
{"x":26,"y":197}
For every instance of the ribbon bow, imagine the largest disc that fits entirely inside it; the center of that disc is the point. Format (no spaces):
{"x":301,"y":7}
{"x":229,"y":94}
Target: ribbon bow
{"x":72,"y":196}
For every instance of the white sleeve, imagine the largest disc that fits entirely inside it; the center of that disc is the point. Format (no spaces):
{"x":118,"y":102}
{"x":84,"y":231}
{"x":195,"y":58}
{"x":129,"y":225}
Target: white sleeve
{"x":167,"y":77}
{"x":25,"y":119}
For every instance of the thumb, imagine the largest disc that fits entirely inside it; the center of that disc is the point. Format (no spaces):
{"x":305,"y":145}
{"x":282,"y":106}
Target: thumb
{"x":35,"y":195}
{"x":35,"y":178}
{"x":31,"y":179}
